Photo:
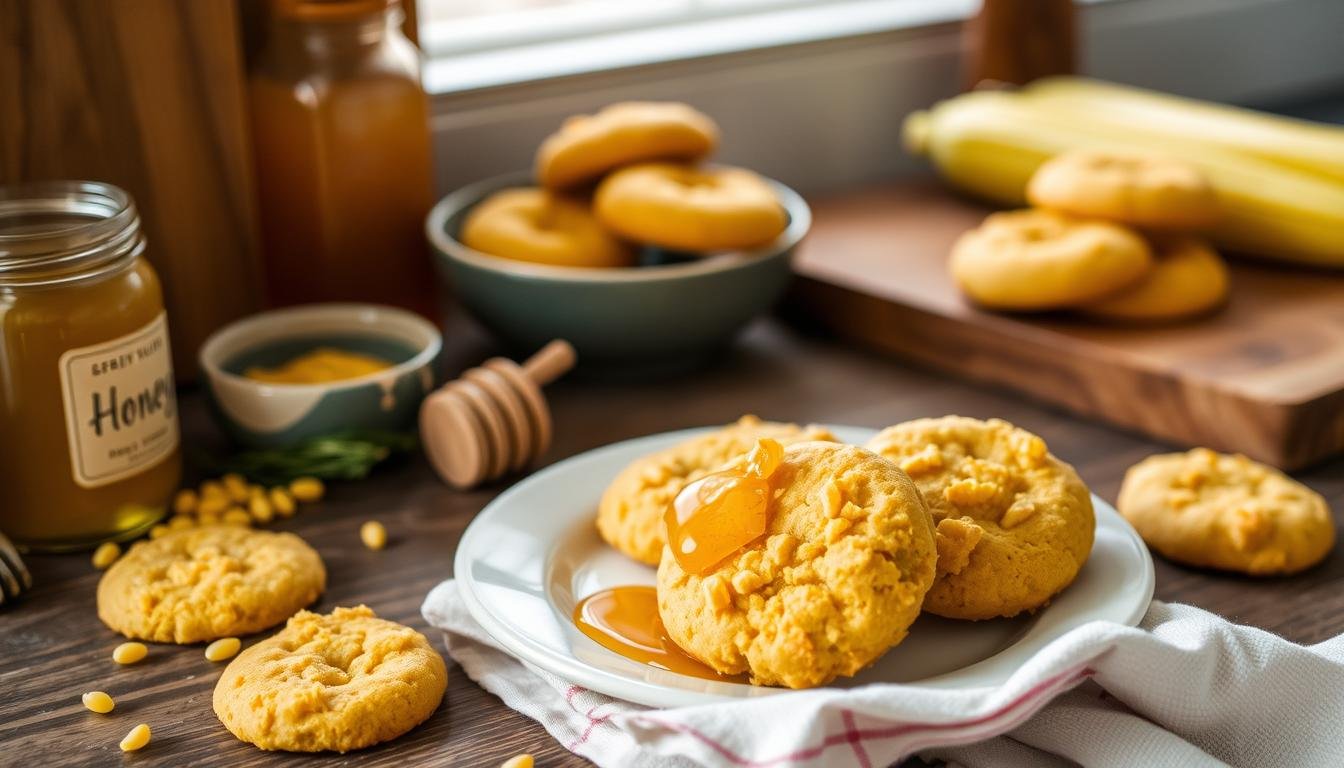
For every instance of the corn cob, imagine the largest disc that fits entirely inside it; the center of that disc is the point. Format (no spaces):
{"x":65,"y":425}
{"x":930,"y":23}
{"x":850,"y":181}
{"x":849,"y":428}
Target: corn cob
{"x":1311,"y":147}
{"x":989,"y":144}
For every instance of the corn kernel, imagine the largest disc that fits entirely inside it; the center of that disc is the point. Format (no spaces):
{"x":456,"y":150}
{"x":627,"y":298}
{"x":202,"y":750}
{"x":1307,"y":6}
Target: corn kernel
{"x":781,"y":547}
{"x":969,"y":492}
{"x":831,"y":498}
{"x":835,"y":529}
{"x":180,"y":522}
{"x":129,"y":653}
{"x":236,"y":516}
{"x":307,"y":489}
{"x":811,"y":550}
{"x":716,"y":593}
{"x":281,"y":502}
{"x":213,"y":488}
{"x":106,"y":554}
{"x":136,"y":739}
{"x":654,"y":475}
{"x":184,"y":503}
{"x":518,"y":761}
{"x":928,"y":460}
{"x":211,"y":518}
{"x":1017,"y":514}
{"x":260,"y":508}
{"x":223,"y":649}
{"x":213,"y":505}
{"x":236,"y":486}
{"x":373,"y":534}
{"x":746,"y":582}
{"x":158,"y":531}
{"x":97,"y":701}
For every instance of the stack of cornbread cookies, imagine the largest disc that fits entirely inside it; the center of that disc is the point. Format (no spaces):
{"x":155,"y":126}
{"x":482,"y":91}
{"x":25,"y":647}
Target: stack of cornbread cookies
{"x":1115,"y":237}
{"x":962,"y":518}
{"x":340,"y":681}
{"x":630,"y":175}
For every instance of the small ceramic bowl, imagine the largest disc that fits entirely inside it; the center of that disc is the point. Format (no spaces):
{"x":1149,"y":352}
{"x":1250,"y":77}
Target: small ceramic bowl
{"x":662,"y":315}
{"x":268,"y":415}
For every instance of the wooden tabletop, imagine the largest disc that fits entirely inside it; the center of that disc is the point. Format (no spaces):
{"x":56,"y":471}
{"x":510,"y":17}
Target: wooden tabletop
{"x":52,"y":647}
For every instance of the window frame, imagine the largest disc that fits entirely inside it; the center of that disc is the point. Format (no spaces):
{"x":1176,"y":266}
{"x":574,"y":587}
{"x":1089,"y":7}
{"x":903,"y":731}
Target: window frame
{"x":824,"y":112}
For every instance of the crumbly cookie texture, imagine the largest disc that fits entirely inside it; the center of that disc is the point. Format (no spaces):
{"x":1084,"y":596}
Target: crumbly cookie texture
{"x":834,"y":583}
{"x":201,"y":584}
{"x":335,"y":682}
{"x":630,"y":515}
{"x":1014,"y":524}
{"x":1212,"y":510}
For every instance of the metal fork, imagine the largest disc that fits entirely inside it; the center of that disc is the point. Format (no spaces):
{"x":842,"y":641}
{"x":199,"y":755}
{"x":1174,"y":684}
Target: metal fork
{"x":14,"y":576}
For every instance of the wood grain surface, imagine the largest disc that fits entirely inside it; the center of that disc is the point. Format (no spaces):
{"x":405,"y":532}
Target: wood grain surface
{"x":147,"y":95}
{"x":52,"y":647}
{"x":1264,"y":376}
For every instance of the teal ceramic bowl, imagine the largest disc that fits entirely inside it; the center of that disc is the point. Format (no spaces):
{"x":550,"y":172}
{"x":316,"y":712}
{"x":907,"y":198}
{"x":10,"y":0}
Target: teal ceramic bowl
{"x":270,"y":415}
{"x":673,"y":312}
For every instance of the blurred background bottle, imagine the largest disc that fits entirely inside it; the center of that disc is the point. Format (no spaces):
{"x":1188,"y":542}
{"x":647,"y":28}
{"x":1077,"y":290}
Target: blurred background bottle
{"x":1017,"y":41}
{"x":340,"y":127}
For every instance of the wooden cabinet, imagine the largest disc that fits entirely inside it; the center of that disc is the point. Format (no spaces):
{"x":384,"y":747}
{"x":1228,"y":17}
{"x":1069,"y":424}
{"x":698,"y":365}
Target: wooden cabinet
{"x":147,"y":95}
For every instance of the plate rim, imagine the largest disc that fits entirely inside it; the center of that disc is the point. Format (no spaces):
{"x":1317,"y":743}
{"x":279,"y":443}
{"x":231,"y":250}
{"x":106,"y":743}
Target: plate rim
{"x":571,"y":669}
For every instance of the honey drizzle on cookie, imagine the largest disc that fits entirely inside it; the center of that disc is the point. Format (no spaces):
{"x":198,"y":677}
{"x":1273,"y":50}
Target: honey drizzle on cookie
{"x":625,"y":620}
{"x":713,"y":518}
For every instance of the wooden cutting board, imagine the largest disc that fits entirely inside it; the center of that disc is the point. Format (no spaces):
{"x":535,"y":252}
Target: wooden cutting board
{"x":1265,"y":376}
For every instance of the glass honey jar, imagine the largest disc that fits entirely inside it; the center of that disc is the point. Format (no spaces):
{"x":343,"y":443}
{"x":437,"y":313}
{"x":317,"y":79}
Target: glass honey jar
{"x":88,"y":411}
{"x":340,"y":135}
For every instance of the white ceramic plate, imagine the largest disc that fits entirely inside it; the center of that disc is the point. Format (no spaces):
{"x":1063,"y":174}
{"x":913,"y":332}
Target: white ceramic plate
{"x":534,"y":552}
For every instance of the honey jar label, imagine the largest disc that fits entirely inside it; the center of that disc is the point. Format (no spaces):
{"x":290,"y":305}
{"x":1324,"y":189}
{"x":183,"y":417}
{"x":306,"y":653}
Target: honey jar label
{"x":120,"y":405}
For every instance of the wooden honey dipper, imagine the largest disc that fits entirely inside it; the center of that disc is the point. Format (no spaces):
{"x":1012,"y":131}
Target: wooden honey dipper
{"x":493,"y":419}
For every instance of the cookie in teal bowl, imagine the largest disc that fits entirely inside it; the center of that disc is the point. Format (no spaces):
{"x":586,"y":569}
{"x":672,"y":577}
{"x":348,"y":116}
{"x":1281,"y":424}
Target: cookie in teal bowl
{"x":673,"y":310}
{"x":263,"y":414}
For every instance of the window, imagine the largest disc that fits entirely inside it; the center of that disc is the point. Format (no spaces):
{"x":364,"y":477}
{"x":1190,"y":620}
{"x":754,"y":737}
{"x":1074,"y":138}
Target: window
{"x":456,"y":26}
{"x":474,"y":44}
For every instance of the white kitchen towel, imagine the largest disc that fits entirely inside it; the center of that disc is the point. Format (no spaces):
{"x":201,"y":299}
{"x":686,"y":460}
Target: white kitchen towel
{"x":1185,"y":688}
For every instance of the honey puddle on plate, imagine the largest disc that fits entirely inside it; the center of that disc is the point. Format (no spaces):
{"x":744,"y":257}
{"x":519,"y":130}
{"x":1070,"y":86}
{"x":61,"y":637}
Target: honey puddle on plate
{"x":710,"y":520}
{"x":625,"y":620}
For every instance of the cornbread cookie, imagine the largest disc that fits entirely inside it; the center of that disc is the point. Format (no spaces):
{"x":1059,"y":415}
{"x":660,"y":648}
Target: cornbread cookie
{"x":1014,"y":523}
{"x":531,"y":224}
{"x":1142,"y":190}
{"x":690,"y":209}
{"x":588,"y":146}
{"x":1035,"y":260}
{"x":200,"y":584}
{"x":1210,"y":510}
{"x":343,"y":681}
{"x":1189,"y":278}
{"x":835,"y":582}
{"x":630,"y":515}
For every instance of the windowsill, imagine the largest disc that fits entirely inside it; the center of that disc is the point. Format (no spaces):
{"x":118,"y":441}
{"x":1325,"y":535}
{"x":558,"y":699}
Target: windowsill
{"x":473,"y":71}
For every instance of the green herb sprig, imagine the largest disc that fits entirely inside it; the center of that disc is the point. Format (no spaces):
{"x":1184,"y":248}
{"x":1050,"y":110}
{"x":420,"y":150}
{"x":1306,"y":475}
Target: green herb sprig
{"x":349,"y":455}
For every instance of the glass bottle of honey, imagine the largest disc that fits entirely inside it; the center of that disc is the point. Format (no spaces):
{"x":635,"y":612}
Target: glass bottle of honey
{"x":340,"y":129}
{"x":88,"y":411}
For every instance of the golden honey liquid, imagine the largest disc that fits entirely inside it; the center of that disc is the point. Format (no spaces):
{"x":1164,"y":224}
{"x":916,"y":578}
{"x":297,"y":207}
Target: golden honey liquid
{"x":41,"y":505}
{"x":340,"y":130}
{"x":625,"y":620}
{"x":713,"y":518}
{"x":709,"y":521}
